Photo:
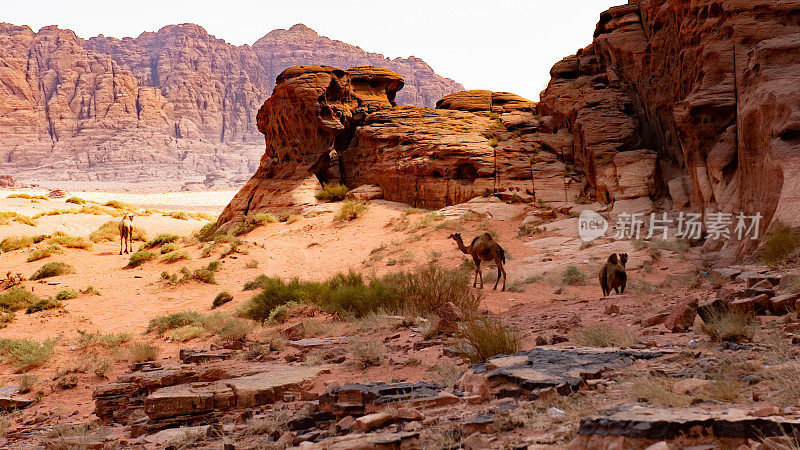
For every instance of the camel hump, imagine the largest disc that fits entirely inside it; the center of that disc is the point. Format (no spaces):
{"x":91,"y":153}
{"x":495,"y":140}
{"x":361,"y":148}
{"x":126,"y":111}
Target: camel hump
{"x":612,"y":259}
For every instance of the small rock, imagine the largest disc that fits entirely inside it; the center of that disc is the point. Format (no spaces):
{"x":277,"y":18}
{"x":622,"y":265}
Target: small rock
{"x":346,"y":422}
{"x":658,"y":446}
{"x":611,"y":309}
{"x":690,"y":386}
{"x":372,"y":421}
{"x":540,"y":340}
{"x":682,"y":316}
{"x":473,"y":399}
{"x":410,"y":414}
{"x":413,"y":426}
{"x":558,"y":338}
{"x":555,"y":412}
{"x":765,"y":411}
{"x":294,"y":332}
{"x":476,"y":441}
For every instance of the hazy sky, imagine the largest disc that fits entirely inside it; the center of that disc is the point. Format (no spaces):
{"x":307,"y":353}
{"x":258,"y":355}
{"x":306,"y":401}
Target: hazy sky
{"x":502,"y":45}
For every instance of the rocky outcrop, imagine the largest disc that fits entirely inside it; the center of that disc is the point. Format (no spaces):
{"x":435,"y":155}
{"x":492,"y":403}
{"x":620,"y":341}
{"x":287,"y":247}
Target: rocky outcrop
{"x":708,"y":86}
{"x":326,"y":125}
{"x":172,"y":106}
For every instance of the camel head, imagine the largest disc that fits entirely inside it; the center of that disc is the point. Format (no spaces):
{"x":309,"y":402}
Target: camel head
{"x":623,"y":258}
{"x":456,"y":236}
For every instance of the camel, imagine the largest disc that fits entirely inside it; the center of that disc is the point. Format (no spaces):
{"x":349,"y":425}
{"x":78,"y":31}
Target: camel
{"x":483,"y":248}
{"x":126,"y":233}
{"x":613,"y":275}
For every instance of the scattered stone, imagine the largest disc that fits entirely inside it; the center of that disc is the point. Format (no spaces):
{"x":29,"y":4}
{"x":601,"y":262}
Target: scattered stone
{"x":727,"y":272}
{"x":639,"y":421}
{"x":655,"y":319}
{"x":401,"y":440}
{"x":690,"y":386}
{"x":372,"y":421}
{"x":419,"y":345}
{"x":765,"y":411}
{"x":310,"y":343}
{"x":189,"y":355}
{"x":558,"y":338}
{"x":540,"y":340}
{"x":360,"y":399}
{"x":365,"y":192}
{"x":783,"y":303}
{"x":659,"y":446}
{"x":295,"y":332}
{"x":10,"y":398}
{"x":611,"y":309}
{"x":682,"y":316}
{"x":563,"y":369}
{"x":476,"y":441}
{"x":346,"y":422}
{"x":410,"y":414}
{"x":482,"y":423}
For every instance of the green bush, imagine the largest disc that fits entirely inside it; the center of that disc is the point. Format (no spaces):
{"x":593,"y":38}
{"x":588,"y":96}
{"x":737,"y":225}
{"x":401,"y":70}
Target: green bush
{"x":205,"y":275}
{"x":221,"y":299}
{"x":42,"y":253}
{"x":116,"y":204}
{"x":169,"y":247}
{"x":573,"y":276}
{"x":350,"y":210}
{"x":260,"y":282}
{"x":12,"y":243}
{"x":332,"y":192}
{"x":162,"y":324}
{"x":43,"y":305}
{"x":175,"y":256}
{"x":52,"y":269}
{"x":483,"y":337}
{"x":68,"y":241}
{"x":16,"y":299}
{"x":780,"y":242}
{"x":159,"y":240}
{"x":26,"y":354}
{"x":76,"y":200}
{"x":140,"y":257}
{"x":66,"y":294}
{"x":253,"y":221}
{"x":207,"y":233}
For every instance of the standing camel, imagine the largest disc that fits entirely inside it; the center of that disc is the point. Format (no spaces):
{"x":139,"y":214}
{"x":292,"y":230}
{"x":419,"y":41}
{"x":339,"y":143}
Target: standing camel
{"x":126,"y":233}
{"x":484,"y":248}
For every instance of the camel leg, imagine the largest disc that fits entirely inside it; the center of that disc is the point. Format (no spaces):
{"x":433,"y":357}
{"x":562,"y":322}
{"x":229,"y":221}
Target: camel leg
{"x":130,"y":243}
{"x":502,"y":269}
{"x":480,"y":272}
{"x":497,"y":280}
{"x":121,"y":239}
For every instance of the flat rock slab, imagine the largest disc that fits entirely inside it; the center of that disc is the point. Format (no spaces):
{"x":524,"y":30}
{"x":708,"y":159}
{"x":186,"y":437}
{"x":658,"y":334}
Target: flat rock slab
{"x":365,"y":398}
{"x":190,"y":355}
{"x":10,"y":398}
{"x":540,"y":368}
{"x":309,"y":343}
{"x":242,"y":392}
{"x":640,"y":421}
{"x":401,"y":441}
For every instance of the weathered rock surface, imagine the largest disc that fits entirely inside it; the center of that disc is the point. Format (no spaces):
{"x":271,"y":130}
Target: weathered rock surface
{"x":473,"y":143}
{"x":529,"y":372}
{"x":707,"y":86}
{"x":643,"y":422}
{"x":176,"y":104}
{"x":360,"y":399}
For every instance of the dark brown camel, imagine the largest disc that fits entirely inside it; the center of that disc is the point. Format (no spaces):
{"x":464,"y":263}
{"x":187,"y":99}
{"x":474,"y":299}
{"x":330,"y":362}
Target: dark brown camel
{"x":484,"y":248}
{"x":126,"y":233}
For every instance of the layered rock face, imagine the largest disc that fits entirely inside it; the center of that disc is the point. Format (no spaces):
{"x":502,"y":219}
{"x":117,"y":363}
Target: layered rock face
{"x":171,"y":106}
{"x":324,"y":124}
{"x":709,"y":88}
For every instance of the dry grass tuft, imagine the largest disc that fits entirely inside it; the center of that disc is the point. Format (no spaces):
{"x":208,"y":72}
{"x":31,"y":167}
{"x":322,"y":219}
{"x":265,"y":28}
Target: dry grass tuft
{"x":730,"y":326}
{"x":52,"y":269}
{"x":143,"y":351}
{"x":350,"y":210}
{"x":483,"y":337}
{"x":603,"y":336}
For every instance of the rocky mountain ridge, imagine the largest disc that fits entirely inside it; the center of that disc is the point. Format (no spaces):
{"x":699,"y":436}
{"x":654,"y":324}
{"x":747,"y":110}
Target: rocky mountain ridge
{"x":177,"y":105}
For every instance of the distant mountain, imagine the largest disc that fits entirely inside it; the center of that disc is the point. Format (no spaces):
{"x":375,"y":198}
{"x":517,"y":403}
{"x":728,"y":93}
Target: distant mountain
{"x":168,"y":108}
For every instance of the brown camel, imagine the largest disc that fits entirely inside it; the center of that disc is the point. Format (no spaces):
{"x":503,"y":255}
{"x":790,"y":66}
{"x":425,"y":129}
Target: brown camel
{"x":126,"y":233}
{"x":613,"y":275}
{"x":484,"y":248}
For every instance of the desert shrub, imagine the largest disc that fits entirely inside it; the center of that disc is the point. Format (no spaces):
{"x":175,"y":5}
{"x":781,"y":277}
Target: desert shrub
{"x":780,"y":243}
{"x":16,"y":299}
{"x":483,"y":337}
{"x":730,"y":326}
{"x":207,"y":232}
{"x":169,"y":247}
{"x":516,"y":286}
{"x":43,"y":305}
{"x":52,"y":269}
{"x":253,"y":221}
{"x":68,"y":241}
{"x":365,"y":354}
{"x":418,"y":291}
{"x":657,"y":390}
{"x":6,"y":317}
{"x":55,"y":212}
{"x":90,"y":290}
{"x":259,"y":282}
{"x":42,"y":253}
{"x":180,"y":215}
{"x":332,"y":192}
{"x":221,"y":299}
{"x":603,"y":336}
{"x":27,"y":382}
{"x":573,"y":276}
{"x":161,"y":239}
{"x":97,"y":210}
{"x":26,"y":354}
{"x":226,"y":327}
{"x":143,"y":351}
{"x":350,"y":210}
{"x":292,"y":218}
{"x":25,"y":196}
{"x":109,"y":231}
{"x":66,"y":294}
{"x":205,"y":275}
{"x":175,"y":320}
{"x":186,"y":333}
{"x":76,"y":200}
{"x":12,"y":243}
{"x":88,"y":340}
{"x":252,"y":264}
{"x":116,"y":204}
{"x":175,"y":256}
{"x":139,"y":258}
{"x":6,"y":217}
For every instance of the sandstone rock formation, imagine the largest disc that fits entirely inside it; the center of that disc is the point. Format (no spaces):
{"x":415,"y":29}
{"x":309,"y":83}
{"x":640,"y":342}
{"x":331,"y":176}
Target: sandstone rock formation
{"x":171,"y":106}
{"x":324,"y":124}
{"x":709,"y":86}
